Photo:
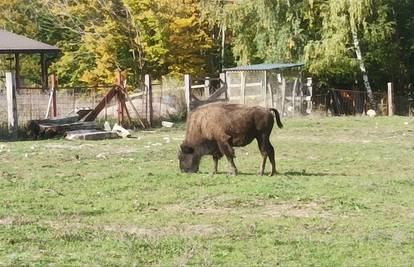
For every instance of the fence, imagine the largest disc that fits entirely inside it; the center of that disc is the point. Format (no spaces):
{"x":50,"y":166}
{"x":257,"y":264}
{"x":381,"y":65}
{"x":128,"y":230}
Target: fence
{"x":404,"y":106}
{"x":35,"y":103}
{"x":338,"y":102}
{"x":200,"y":91}
{"x":164,"y":101}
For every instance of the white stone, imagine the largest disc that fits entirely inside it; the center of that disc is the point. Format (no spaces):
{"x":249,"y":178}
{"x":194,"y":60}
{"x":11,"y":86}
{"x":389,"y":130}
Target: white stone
{"x":167,"y":124}
{"x":121,"y":131}
{"x":371,"y":113}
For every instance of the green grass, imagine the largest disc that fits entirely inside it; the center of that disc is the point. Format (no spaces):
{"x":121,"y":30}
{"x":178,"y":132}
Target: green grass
{"x":344,"y":196}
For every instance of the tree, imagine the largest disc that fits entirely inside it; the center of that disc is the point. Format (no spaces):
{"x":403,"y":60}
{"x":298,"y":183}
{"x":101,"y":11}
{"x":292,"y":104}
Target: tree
{"x":343,"y":24}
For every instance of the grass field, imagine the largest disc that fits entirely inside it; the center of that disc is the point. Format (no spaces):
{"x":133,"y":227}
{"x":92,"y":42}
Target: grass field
{"x":344,"y":196}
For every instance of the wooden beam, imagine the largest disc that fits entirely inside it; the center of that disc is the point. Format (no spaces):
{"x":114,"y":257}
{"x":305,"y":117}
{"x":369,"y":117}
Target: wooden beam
{"x":187,"y":91}
{"x":101,"y":105}
{"x":207,"y":84}
{"x":44,"y":75}
{"x":283,"y":95}
{"x":54,"y":83}
{"x":390,"y":99}
{"x":148,"y":87}
{"x":119,"y":83}
{"x":264,"y":88}
{"x":17,"y":69}
{"x":223,"y":83}
{"x":295,"y":83}
{"x":11,"y":102}
{"x":134,"y":108}
{"x":243,"y":86}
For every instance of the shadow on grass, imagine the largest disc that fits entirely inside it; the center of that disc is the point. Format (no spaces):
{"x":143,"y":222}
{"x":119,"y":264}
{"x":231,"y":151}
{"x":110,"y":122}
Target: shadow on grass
{"x":288,"y":173}
{"x":316,"y":174}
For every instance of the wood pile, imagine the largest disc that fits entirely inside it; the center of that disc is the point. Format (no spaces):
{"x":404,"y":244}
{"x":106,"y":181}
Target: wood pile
{"x":73,"y":128}
{"x":49,"y":128}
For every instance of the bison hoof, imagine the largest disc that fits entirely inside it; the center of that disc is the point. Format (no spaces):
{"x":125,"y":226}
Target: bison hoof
{"x":272,"y":173}
{"x":233,"y":172}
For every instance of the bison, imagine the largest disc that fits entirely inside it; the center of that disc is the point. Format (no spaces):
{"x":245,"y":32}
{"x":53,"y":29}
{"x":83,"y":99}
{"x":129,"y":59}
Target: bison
{"x":214,"y":129}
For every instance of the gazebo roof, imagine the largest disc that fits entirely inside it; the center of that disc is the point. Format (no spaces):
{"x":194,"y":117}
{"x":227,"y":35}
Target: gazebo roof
{"x":11,"y":43}
{"x":265,"y":67}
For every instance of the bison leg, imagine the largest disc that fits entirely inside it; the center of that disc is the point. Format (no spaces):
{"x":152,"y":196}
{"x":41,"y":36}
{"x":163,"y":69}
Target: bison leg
{"x":271,"y":155}
{"x":264,"y":156}
{"x":263,"y":165}
{"x":267,"y":150}
{"x":228,"y":151}
{"x":216,"y":159}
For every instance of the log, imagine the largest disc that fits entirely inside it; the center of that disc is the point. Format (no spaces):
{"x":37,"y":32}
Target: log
{"x":60,"y":120}
{"x":50,"y":128}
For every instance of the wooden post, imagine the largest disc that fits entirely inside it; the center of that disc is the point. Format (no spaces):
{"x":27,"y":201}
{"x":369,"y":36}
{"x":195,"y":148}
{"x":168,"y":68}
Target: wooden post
{"x":44,"y":71}
{"x":12,"y":120}
{"x":187,"y":90}
{"x":283,"y":95}
{"x":17,"y":67}
{"x":223,"y":44}
{"x":243,"y":87}
{"x":309,"y":84}
{"x":295,"y":83}
{"x":264,"y":88}
{"x":54,"y":83}
{"x":207,"y":84}
{"x":390,"y":99}
{"x":223,"y":80}
{"x":148,"y":86}
{"x":120,"y":96}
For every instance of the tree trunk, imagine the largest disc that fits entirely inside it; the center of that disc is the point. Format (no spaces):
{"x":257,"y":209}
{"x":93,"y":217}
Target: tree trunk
{"x":363,"y":69}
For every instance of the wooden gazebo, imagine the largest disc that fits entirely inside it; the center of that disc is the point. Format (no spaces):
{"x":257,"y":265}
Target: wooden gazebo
{"x":14,"y":44}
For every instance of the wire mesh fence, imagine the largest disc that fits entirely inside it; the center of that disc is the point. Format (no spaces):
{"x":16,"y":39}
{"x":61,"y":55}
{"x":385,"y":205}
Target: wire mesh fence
{"x":36,"y":103}
{"x":169,"y":101}
{"x":338,"y":102}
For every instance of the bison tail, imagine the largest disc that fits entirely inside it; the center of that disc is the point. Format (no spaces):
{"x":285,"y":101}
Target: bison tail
{"x":277,"y":115}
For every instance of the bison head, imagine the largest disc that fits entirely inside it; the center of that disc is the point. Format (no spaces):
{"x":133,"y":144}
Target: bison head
{"x":189,"y":160}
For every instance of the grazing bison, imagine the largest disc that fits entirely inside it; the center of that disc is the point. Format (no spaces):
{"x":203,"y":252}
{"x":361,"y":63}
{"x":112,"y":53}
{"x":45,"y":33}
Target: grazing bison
{"x":214,"y":129}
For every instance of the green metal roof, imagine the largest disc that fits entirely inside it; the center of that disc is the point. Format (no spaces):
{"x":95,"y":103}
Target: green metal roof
{"x":263,"y":67}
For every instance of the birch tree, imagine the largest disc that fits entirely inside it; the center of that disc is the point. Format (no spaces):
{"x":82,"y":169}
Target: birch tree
{"x":339,"y":48}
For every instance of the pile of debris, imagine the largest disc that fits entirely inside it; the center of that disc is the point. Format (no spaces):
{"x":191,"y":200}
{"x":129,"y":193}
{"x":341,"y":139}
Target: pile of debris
{"x":116,"y":132}
{"x":48,"y":128}
{"x":74,"y":128}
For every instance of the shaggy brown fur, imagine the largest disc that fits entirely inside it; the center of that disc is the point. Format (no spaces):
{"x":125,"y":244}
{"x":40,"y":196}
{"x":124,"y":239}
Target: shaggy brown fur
{"x":214,"y":129}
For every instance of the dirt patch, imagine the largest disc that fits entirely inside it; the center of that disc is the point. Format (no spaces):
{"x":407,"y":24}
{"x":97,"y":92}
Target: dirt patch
{"x":65,"y":226}
{"x":197,"y":210}
{"x":6,"y":221}
{"x":15,"y":221}
{"x":183,"y":230}
{"x":300,"y":210}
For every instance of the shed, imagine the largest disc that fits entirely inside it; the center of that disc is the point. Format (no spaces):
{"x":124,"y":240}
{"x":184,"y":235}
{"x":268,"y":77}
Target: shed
{"x":14,"y":44}
{"x":270,"y":85}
